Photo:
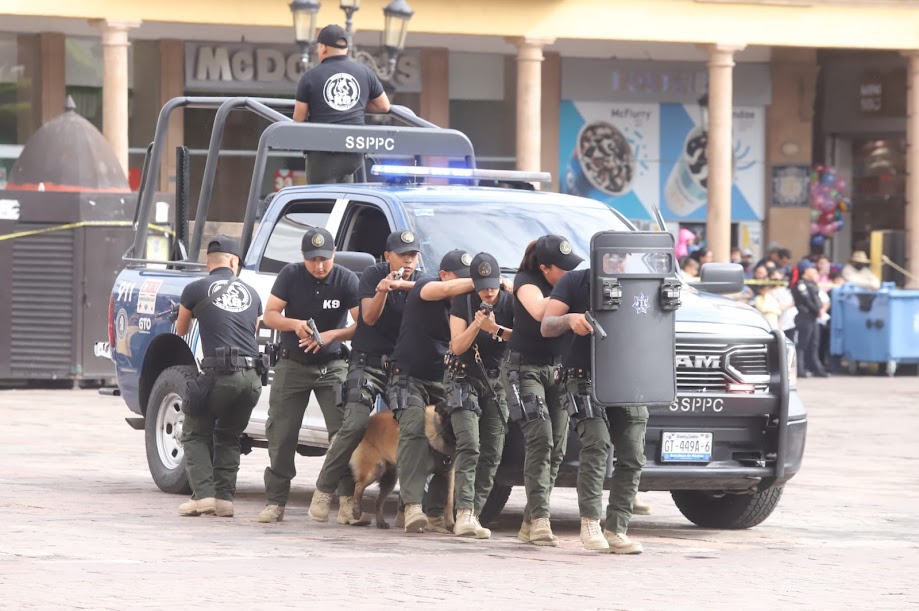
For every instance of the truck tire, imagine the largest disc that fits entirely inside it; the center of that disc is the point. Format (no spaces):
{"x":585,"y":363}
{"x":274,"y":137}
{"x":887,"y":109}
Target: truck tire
{"x":163,"y":429}
{"x":726,"y":511}
{"x":495,"y":503}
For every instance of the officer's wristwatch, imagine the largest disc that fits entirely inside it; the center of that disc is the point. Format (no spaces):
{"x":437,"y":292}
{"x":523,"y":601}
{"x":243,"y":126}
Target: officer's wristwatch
{"x":500,"y":332}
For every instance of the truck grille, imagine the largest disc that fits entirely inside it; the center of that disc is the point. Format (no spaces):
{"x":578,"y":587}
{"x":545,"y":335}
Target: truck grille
{"x":711,"y":367}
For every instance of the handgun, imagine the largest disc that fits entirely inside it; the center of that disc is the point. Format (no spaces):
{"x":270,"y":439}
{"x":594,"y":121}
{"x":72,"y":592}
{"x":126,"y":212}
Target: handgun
{"x":486,"y":307}
{"x":593,"y":322}
{"x":397,"y":275}
{"x":314,"y":331}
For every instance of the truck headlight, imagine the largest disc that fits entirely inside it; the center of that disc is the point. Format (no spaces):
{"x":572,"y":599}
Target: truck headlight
{"x":791,"y":358}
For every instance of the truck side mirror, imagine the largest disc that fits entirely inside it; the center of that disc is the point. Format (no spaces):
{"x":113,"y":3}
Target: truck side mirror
{"x":720,"y":278}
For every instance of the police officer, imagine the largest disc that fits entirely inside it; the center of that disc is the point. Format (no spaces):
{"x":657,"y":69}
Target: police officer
{"x":535,"y":393}
{"x":228,"y":312}
{"x":382,"y":292}
{"x":323,"y":293}
{"x":596,"y":425}
{"x":807,"y":299}
{"x":418,"y":381}
{"x":474,"y":385}
{"x":338,"y":90}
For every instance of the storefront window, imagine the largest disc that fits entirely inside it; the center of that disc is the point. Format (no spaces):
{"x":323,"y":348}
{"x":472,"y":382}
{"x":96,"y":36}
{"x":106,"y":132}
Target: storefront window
{"x":878,"y":186}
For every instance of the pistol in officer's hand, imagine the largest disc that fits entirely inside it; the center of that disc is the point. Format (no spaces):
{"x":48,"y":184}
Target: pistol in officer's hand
{"x":580,"y":325}
{"x":303,"y":330}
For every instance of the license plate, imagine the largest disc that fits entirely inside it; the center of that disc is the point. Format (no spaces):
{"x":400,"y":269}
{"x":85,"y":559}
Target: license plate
{"x":686,"y":447}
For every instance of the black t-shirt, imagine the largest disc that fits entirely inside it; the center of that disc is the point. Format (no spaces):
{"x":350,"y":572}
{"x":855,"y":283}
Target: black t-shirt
{"x":326,"y":301}
{"x":574,"y":291}
{"x":527,"y":338}
{"x":491,"y":350}
{"x":380,"y":338}
{"x":231,"y":320}
{"x":337,"y":91}
{"x":424,"y":336}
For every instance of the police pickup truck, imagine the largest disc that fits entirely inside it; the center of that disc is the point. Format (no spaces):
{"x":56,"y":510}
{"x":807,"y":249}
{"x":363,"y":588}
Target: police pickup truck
{"x":724,"y":449}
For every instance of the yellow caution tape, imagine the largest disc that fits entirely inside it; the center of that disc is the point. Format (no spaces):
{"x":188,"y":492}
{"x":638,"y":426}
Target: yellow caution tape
{"x":24,"y":234}
{"x":765,"y":282}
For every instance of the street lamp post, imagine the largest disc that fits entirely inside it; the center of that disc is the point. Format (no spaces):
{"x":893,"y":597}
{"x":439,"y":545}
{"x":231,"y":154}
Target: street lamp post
{"x":395,"y":29}
{"x":304,"y":13}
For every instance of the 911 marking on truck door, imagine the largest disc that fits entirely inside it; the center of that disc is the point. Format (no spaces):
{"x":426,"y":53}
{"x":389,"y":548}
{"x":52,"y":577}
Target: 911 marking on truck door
{"x":697,"y":404}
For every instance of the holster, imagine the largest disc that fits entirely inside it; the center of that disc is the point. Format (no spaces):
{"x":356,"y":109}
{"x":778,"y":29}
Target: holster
{"x":461,"y":394}
{"x":399,"y":395}
{"x":357,"y":388}
{"x":580,"y":406}
{"x":522,"y":407}
{"x":273,"y":351}
{"x":263,"y":367}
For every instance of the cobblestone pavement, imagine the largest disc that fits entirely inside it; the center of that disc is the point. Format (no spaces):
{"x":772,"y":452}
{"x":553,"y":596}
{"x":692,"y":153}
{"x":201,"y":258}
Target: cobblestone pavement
{"x":83,"y":526}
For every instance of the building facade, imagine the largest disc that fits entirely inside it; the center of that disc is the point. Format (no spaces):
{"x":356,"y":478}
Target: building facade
{"x":709,"y":118}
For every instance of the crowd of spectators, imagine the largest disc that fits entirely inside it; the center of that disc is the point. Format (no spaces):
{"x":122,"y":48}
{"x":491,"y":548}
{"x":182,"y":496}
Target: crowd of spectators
{"x":770,"y":287}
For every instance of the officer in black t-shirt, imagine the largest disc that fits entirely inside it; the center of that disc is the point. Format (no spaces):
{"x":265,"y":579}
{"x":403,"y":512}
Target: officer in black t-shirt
{"x":338,"y":90}
{"x":474,"y":385}
{"x":382,"y":292}
{"x":228,"y":312}
{"x":315,"y":290}
{"x":534,"y":390}
{"x":597,"y":425}
{"x":418,"y":381}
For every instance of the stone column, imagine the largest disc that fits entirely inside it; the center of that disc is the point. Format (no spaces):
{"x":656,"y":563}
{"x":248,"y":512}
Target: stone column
{"x":789,"y":140}
{"x":41,"y":86}
{"x":912,"y":169}
{"x":551,"y":111}
{"x":115,"y":84}
{"x":529,"y":102}
{"x":720,"y":145}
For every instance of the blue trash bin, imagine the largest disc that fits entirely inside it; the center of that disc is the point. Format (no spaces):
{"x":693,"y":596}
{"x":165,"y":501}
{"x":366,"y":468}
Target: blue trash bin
{"x":875,"y":326}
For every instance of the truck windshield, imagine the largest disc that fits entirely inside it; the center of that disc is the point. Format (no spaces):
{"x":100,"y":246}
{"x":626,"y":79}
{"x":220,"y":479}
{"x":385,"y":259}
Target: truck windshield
{"x":504,"y":230}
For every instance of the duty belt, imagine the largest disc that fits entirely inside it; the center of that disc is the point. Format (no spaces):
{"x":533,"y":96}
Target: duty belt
{"x":375,"y":361}
{"x":230,"y":364}
{"x":304,"y":359}
{"x":525,"y":359}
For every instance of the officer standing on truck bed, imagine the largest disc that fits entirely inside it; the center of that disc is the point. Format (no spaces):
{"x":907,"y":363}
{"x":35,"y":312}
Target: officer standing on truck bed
{"x":382,"y":293}
{"x":418,"y":381}
{"x":596,"y":425}
{"x":480,"y":327}
{"x":315,"y":291}
{"x":338,"y":90}
{"x":220,"y":400}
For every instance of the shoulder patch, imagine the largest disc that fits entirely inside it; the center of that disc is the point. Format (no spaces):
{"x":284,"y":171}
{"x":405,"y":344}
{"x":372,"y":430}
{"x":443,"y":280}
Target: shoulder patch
{"x":802,"y":287}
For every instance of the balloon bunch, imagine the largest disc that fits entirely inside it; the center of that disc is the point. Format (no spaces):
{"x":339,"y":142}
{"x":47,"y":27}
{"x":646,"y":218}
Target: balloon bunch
{"x":828,"y":202}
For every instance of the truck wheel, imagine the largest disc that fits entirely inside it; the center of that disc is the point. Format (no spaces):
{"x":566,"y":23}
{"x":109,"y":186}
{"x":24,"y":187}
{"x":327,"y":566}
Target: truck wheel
{"x":727,"y":511}
{"x":163,"y":429}
{"x":495,"y":503}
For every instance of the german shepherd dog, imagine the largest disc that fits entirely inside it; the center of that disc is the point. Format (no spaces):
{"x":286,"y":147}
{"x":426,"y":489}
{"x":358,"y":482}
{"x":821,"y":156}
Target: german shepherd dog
{"x":374,"y":459}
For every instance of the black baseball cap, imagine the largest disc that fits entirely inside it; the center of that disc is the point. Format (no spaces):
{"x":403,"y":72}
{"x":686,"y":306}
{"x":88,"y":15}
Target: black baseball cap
{"x":456,"y":261}
{"x":224,"y":244}
{"x":334,"y":36}
{"x":556,"y":250}
{"x":401,"y":242}
{"x":485,"y":272}
{"x":317,"y":242}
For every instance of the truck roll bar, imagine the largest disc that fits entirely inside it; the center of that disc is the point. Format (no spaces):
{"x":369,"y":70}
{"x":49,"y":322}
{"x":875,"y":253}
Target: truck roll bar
{"x":452,"y":144}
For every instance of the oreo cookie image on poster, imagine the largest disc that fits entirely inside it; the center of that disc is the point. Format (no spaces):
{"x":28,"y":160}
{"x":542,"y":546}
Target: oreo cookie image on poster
{"x":603,"y":162}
